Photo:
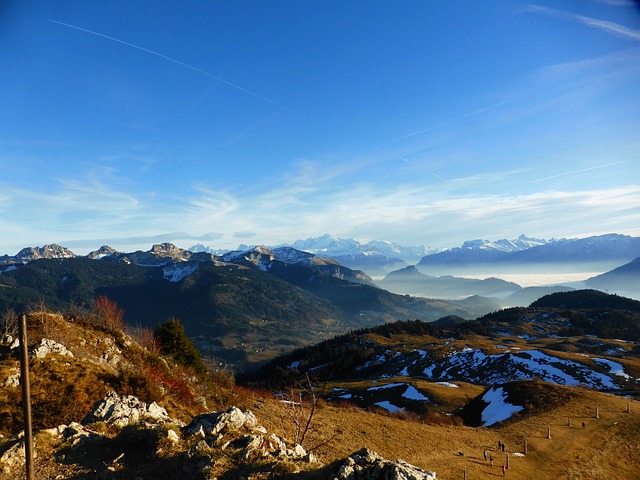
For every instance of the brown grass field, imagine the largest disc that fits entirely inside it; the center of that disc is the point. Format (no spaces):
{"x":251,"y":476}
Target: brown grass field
{"x":607,"y":448}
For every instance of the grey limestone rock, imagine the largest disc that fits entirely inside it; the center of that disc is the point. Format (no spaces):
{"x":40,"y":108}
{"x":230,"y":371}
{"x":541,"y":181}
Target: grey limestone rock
{"x":47,"y":346}
{"x":367,"y":465}
{"x":212,"y":424}
{"x":125,"y":411}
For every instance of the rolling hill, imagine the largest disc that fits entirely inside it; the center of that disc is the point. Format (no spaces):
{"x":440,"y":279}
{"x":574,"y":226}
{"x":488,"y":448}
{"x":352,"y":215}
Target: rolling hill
{"x":582,"y":338}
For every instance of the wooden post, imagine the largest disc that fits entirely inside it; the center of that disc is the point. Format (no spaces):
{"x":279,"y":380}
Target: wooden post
{"x":629,"y":405}
{"x":549,"y":432}
{"x":26,"y":398}
{"x":507,"y":461}
{"x":525,"y":446}
{"x":465,"y":474}
{"x":597,"y":411}
{"x":569,"y":420}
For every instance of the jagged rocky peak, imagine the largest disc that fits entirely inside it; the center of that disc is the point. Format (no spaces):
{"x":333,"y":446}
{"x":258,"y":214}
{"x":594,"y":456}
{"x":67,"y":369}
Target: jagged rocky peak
{"x":103,"y":251}
{"x":169,"y":250}
{"x":291,"y":255}
{"x":260,"y":254}
{"x":48,"y":251}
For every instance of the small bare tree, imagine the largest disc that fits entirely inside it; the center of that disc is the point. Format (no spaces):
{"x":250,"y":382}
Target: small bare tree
{"x":300,"y":405}
{"x":9,"y":323}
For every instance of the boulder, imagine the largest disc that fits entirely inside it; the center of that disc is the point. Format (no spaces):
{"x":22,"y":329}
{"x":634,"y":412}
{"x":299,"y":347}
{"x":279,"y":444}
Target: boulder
{"x":367,"y":465}
{"x":125,"y":411}
{"x":47,"y":346}
{"x":212,"y":424}
{"x":14,"y":457}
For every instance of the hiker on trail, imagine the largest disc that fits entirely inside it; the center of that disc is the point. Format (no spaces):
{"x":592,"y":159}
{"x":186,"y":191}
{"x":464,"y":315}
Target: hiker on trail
{"x":485,"y":454}
{"x":503,"y":447}
{"x":504,"y":470}
{"x":499,"y":444}
{"x":491,"y":459}
{"x":584,"y":424}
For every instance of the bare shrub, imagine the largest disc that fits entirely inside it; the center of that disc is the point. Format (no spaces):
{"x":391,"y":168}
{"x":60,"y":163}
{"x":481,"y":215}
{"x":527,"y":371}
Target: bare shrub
{"x":146,"y":337}
{"x":9,"y":323}
{"x":43,"y":318}
{"x":300,"y":406}
{"x":108,"y":313}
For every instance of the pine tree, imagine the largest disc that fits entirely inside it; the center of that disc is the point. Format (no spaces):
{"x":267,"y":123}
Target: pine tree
{"x":174,"y":342}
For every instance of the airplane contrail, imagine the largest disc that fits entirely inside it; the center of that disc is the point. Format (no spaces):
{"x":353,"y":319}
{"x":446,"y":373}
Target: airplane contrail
{"x":178,"y":62}
{"x":573,"y":172}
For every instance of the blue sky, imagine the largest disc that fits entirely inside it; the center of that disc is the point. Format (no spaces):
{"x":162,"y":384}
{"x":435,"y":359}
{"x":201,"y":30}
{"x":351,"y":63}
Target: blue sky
{"x":228,"y":122}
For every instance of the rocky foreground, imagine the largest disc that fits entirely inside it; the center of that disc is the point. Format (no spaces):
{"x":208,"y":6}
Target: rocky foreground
{"x":107,"y":444}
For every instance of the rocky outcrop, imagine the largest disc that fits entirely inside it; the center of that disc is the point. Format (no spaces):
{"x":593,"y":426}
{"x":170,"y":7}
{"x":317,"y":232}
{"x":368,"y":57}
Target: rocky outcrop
{"x":14,"y":457}
{"x":251,"y":440}
{"x":47,"y":346}
{"x":211,"y":424}
{"x":125,"y":411}
{"x":367,"y":465}
{"x":198,"y":450}
{"x":74,"y":434}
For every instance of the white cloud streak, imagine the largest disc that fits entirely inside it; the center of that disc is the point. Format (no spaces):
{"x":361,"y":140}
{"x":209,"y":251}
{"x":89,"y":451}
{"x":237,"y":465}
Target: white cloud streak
{"x":611,"y":28}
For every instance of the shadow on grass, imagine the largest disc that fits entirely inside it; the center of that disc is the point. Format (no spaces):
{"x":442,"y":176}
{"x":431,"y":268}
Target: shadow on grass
{"x":131,"y":454}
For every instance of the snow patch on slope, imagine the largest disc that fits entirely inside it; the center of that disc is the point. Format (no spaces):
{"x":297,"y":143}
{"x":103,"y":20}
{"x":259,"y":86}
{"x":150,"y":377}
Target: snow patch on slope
{"x":177,"y":272}
{"x":497,"y":409}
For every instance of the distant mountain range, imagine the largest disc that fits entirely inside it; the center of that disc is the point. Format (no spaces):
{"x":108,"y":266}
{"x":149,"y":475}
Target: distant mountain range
{"x":376,"y":257}
{"x":523,"y":254}
{"x":242,"y":308}
{"x":590,"y":254}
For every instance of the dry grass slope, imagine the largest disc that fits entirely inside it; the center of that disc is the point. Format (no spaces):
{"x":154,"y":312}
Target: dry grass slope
{"x":65,"y":388}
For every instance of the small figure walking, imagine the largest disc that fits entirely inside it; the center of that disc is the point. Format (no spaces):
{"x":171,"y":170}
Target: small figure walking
{"x":485,"y":454}
{"x":502,"y":447}
{"x":491,"y":460}
{"x":499,"y":444}
{"x":504,"y":470}
{"x":584,"y":424}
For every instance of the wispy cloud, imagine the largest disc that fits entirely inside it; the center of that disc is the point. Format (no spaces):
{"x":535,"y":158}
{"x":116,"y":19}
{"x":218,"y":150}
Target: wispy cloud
{"x":442,"y":213}
{"x":611,"y":28}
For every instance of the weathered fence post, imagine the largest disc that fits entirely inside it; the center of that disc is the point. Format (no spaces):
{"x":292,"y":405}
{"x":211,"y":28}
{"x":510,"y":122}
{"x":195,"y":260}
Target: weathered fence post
{"x":507,"y":461}
{"x":525,"y":446}
{"x":597,"y":411}
{"x":26,"y":398}
{"x":569,"y":420}
{"x":549,"y":432}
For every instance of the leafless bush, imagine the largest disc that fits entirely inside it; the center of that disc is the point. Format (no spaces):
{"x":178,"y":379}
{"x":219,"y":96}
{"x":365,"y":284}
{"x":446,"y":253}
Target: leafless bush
{"x":299,"y":408}
{"x":108,"y":313}
{"x":146,"y":337}
{"x":43,"y":317}
{"x":9,"y":323}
